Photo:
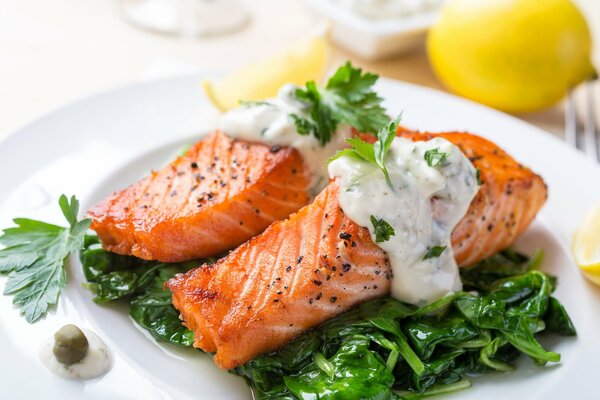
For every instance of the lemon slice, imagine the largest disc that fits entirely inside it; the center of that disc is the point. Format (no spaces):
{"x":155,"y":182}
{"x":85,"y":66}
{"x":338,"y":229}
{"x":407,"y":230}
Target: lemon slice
{"x":586,"y":246}
{"x":302,"y":62}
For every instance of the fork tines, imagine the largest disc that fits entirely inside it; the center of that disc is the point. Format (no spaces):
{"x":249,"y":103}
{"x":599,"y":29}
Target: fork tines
{"x":586,"y":138}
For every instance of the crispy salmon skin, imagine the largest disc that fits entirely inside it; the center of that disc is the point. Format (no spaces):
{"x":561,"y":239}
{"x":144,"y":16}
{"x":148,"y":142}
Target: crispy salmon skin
{"x":219,"y":194}
{"x":317,"y":264}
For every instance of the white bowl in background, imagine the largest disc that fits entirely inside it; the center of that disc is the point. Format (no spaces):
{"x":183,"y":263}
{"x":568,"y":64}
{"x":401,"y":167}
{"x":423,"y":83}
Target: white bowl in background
{"x":374,"y":39}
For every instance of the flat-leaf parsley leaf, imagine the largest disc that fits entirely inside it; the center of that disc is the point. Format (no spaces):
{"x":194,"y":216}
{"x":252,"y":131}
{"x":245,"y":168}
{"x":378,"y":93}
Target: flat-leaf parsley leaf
{"x":383,"y":230}
{"x":34,"y":257}
{"x":347,"y":98}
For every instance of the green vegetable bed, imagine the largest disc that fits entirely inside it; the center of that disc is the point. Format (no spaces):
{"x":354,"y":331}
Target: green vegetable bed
{"x":384,"y":349}
{"x":112,"y":277}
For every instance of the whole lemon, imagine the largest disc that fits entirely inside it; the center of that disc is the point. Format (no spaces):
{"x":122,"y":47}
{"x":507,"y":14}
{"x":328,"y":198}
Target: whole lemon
{"x":514,"y":55}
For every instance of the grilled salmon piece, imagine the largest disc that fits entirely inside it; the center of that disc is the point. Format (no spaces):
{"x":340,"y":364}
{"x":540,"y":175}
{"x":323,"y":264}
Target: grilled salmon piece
{"x":219,"y":194}
{"x":509,"y":198}
{"x":317,"y":264}
{"x":296,"y":275}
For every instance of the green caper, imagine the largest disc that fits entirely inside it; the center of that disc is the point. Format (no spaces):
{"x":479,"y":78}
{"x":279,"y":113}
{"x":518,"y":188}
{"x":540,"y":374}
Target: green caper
{"x":70,"y":344}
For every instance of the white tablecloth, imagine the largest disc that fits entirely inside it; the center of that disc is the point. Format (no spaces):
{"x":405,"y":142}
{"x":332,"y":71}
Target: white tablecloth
{"x":55,"y":51}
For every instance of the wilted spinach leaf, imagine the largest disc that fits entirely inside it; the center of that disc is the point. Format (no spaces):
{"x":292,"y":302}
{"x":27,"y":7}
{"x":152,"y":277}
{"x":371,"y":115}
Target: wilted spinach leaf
{"x":557,"y":320}
{"x":153,"y":310}
{"x":111,"y":277}
{"x":504,"y":264}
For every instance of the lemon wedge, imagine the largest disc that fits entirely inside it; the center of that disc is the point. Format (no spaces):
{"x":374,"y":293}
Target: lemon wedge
{"x":302,"y":62}
{"x":586,"y":246}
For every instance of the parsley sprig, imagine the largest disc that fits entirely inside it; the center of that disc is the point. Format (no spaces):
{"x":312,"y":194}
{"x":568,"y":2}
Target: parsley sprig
{"x":347,"y":98}
{"x":374,"y":153}
{"x":34,"y":258}
{"x":383,"y":230}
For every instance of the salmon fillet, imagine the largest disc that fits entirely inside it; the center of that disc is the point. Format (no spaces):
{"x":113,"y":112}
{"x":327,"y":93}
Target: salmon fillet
{"x":297,"y":274}
{"x":509,"y":198}
{"x":317,"y":264}
{"x":219,"y":194}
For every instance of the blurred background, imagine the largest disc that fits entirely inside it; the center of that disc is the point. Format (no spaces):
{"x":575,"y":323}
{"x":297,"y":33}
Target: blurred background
{"x":56,"y":51}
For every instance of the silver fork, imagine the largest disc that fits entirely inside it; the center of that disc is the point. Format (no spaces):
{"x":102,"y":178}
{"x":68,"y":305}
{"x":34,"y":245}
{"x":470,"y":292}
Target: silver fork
{"x":587,"y":138}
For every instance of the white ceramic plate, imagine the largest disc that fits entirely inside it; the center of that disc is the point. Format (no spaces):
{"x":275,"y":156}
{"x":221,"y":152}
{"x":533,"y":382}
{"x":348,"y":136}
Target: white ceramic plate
{"x":106,"y":142}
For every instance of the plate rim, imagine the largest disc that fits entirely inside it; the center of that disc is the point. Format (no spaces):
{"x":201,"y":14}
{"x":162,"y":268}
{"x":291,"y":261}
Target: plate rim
{"x":429,"y":91}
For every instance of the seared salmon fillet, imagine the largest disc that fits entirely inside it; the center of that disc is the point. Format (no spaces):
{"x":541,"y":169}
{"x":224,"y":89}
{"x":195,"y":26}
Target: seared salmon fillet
{"x":219,"y":194}
{"x":317,"y":264}
{"x":509,"y":198}
{"x":294,"y":276}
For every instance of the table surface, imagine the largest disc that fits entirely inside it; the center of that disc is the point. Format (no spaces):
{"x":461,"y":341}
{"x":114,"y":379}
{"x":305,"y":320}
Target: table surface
{"x":57,"y":51}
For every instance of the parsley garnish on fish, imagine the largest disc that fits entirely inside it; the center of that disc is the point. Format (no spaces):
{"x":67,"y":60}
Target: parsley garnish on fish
{"x":435,"y":157}
{"x":374,"y":153}
{"x":434,"y":251}
{"x":383,"y":230}
{"x":347,"y":98}
{"x":478,"y":177}
{"x":34,"y":258}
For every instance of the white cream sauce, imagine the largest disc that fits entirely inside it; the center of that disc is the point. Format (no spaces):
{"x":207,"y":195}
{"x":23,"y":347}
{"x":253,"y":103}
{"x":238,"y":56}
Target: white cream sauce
{"x":95,"y":363}
{"x":388,"y":9}
{"x":424,"y":206}
{"x":269,"y":122}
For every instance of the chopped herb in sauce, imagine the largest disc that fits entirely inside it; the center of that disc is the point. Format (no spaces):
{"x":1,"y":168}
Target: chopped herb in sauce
{"x":434,"y":251}
{"x":383,"y":230}
{"x":435,"y":157}
{"x":253,"y":103}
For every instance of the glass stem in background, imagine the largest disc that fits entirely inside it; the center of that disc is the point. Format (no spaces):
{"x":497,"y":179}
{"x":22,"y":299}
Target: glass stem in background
{"x":186,"y":18}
